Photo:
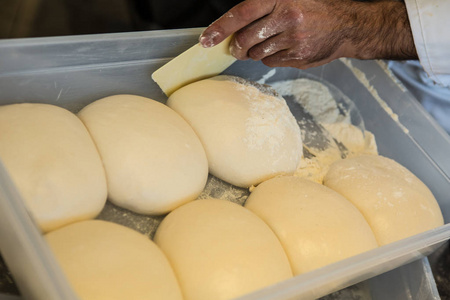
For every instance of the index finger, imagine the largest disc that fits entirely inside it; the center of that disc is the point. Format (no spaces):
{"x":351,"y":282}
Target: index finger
{"x":236,"y":18}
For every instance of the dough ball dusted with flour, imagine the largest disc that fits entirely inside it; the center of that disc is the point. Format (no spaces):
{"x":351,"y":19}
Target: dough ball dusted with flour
{"x":394,"y":201}
{"x":153,"y":159}
{"x":220,"y":250}
{"x":248,"y":135}
{"x":104,"y":260}
{"x":53,"y":162}
{"x":315,"y":225}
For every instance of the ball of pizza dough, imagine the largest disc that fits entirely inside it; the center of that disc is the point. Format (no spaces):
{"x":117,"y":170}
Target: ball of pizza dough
{"x":104,"y":260}
{"x":393,"y":200}
{"x":249,"y":136}
{"x":53,"y":162}
{"x":220,"y":250}
{"x":315,"y":225}
{"x":153,"y":159}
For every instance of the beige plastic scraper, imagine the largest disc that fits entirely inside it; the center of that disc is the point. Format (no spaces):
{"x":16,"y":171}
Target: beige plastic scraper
{"x":194,"y":64}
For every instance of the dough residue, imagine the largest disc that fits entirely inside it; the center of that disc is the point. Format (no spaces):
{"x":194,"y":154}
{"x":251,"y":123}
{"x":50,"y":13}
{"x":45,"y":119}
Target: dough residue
{"x":356,"y":141}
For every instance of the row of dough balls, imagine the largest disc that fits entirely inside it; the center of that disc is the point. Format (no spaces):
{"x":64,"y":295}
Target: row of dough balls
{"x":205,"y":249}
{"x":144,"y":155}
{"x":213,"y":249}
{"x":219,"y":251}
{"x":216,"y":249}
{"x":228,"y":238}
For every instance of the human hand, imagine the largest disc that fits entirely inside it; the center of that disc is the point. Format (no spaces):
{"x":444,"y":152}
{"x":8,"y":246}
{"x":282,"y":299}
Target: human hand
{"x":308,"y":33}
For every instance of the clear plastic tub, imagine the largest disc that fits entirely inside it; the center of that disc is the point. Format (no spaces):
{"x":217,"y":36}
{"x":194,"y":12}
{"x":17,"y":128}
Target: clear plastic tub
{"x":74,"y":71}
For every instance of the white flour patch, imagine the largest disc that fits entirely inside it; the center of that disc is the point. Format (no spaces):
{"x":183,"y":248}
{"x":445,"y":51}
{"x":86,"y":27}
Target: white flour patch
{"x":267,"y":76}
{"x":262,"y":33}
{"x":269,"y":119}
{"x":315,"y":97}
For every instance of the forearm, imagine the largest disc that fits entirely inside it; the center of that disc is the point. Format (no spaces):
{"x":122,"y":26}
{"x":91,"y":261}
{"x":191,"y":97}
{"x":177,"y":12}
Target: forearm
{"x":310,"y":33}
{"x":380,"y":31}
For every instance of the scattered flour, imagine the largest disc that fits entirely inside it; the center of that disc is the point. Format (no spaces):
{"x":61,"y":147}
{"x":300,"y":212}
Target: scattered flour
{"x":317,"y":99}
{"x":356,"y":141}
{"x":363,"y":79}
{"x":267,"y":76}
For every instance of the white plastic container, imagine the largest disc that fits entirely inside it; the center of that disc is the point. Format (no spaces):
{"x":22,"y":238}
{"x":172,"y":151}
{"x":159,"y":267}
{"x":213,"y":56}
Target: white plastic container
{"x":74,"y":71}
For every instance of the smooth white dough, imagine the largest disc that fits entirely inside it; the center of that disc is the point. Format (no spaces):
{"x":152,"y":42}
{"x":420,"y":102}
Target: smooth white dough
{"x":393,"y":200}
{"x":107,"y":261}
{"x":220,"y":250}
{"x":248,"y":136}
{"x":153,"y":159}
{"x":315,"y":225}
{"x":53,"y":162}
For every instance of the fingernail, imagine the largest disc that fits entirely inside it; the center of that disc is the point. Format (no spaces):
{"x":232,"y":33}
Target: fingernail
{"x":207,"y":41}
{"x":234,"y":47}
{"x":231,"y":48}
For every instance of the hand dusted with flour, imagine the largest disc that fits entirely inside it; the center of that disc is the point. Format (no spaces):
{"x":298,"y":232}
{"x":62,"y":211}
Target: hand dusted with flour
{"x":310,"y":33}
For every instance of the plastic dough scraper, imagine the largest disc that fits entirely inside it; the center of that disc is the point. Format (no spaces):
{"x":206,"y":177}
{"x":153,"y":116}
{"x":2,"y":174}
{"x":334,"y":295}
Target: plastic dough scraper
{"x":194,"y":64}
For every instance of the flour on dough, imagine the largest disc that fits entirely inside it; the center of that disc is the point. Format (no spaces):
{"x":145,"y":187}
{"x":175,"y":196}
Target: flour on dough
{"x":249,"y":135}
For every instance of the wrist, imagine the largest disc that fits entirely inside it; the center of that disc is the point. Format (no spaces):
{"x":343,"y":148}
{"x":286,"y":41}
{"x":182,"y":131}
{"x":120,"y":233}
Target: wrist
{"x":379,"y":30}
